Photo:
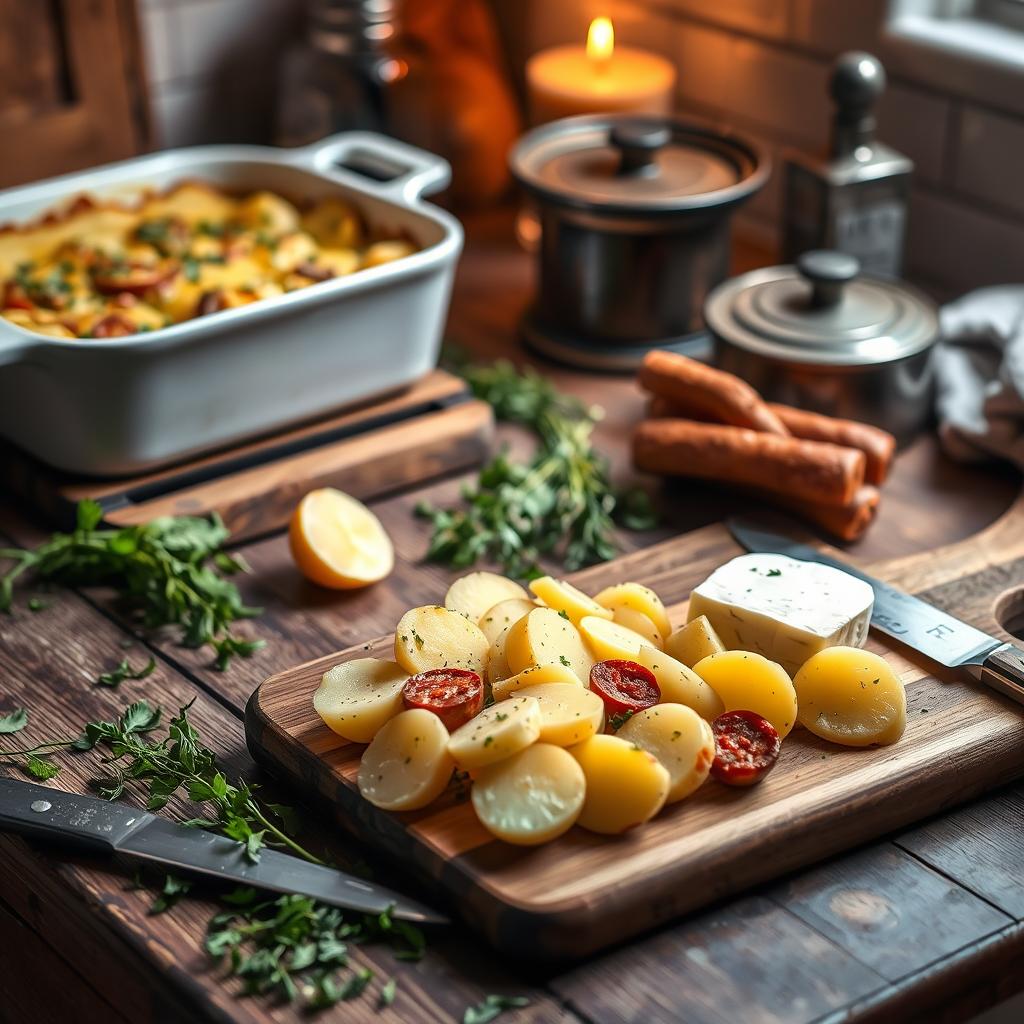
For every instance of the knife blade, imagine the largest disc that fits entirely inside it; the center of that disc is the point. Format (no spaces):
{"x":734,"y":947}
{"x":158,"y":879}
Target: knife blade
{"x":88,"y":822}
{"x":934,"y":633}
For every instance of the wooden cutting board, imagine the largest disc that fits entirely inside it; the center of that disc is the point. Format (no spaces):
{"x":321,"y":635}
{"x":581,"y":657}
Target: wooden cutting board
{"x":585,"y":891}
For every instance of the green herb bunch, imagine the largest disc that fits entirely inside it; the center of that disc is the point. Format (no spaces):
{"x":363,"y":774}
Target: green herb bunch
{"x":561,"y":502}
{"x":171,"y":571}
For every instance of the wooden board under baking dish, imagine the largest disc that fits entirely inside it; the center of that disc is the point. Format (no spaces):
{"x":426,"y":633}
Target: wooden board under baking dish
{"x":585,"y":891}
{"x":432,"y":428}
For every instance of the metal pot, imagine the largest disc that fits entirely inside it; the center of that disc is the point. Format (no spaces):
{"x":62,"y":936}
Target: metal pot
{"x":634,"y":217}
{"x":823,"y":336}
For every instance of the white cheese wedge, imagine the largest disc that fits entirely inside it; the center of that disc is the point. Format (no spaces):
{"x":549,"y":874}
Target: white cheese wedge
{"x":782,"y":608}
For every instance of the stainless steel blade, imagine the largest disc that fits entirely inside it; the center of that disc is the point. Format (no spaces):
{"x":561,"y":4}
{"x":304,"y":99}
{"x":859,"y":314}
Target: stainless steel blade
{"x":85,"y":821}
{"x":204,"y":853}
{"x":910,"y":620}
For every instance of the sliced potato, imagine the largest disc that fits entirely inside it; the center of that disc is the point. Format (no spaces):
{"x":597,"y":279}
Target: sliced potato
{"x":750,"y":682}
{"x":535,"y":675}
{"x":504,"y":614}
{"x":564,"y":597}
{"x":546,"y":638}
{"x":268,"y":212}
{"x":680,"y":739}
{"x":568,"y":714}
{"x":608,"y":640}
{"x":640,"y":624}
{"x":851,"y":696}
{"x":356,"y":698}
{"x":497,"y":662}
{"x":387,"y":252}
{"x":496,"y":733}
{"x":681,"y":685}
{"x":626,"y":785}
{"x":638,"y":598}
{"x":694,"y":642}
{"x":436,"y":637}
{"x":476,"y":592}
{"x":407,"y":766}
{"x":531,"y":797}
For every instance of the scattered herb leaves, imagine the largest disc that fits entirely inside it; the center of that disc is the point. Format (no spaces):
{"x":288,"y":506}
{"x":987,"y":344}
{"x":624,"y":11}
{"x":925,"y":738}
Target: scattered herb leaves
{"x":172,"y":890}
{"x":171,"y":571}
{"x":124,"y":671}
{"x":492,"y":1007}
{"x":559,"y":503}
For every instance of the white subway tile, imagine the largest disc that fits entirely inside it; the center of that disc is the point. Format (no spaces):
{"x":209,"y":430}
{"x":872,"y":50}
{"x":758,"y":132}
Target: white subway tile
{"x":961,"y":247}
{"x":159,"y":30}
{"x":989,"y":162}
{"x":760,"y":17}
{"x":782,"y":93}
{"x":917,"y":124}
{"x":832,"y":26}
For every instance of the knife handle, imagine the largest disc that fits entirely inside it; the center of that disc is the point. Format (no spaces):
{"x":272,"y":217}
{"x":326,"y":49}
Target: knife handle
{"x":1003,"y":670}
{"x":82,"y":821}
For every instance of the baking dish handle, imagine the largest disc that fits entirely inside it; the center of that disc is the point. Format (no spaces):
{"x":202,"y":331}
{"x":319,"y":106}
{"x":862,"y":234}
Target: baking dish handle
{"x":385,"y":166}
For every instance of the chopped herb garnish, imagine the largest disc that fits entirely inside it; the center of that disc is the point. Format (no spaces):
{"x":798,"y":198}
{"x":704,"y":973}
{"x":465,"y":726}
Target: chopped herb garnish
{"x":124,"y":671}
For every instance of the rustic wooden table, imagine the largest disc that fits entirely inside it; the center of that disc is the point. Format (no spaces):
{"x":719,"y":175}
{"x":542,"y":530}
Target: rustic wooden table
{"x":927,"y":925}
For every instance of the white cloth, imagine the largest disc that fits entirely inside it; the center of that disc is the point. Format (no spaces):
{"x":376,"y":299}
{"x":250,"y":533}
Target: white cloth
{"x":979,"y":367}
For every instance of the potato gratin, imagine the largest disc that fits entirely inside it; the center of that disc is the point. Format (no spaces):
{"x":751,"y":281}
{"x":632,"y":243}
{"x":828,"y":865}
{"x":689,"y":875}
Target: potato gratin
{"x":106,"y":271}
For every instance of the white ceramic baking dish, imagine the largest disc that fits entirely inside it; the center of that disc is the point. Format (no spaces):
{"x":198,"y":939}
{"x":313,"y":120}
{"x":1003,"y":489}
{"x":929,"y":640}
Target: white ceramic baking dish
{"x":122,"y":405}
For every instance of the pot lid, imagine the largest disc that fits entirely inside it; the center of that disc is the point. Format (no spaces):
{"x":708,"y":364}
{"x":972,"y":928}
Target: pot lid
{"x":633,"y":164}
{"x":823,"y":310}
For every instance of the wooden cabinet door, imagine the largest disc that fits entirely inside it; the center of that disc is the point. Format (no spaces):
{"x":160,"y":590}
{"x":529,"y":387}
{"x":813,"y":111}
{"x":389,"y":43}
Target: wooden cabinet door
{"x":71,"y":86}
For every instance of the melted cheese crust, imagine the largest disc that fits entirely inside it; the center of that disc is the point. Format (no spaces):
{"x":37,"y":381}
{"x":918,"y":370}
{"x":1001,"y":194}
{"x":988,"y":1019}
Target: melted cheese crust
{"x":103,"y":270}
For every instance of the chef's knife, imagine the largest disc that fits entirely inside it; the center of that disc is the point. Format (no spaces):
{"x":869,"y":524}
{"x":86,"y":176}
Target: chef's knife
{"x":910,"y":620}
{"x":87,"y":822}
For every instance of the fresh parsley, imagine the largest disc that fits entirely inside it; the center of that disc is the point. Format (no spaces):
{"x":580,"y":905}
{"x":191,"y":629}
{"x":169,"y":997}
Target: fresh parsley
{"x":117,"y":676}
{"x":171,"y":571}
{"x":560,"y":503}
{"x":29,"y":759}
{"x":491,"y":1007}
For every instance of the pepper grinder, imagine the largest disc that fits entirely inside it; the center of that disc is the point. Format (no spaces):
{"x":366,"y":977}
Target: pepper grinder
{"x":855,"y":199}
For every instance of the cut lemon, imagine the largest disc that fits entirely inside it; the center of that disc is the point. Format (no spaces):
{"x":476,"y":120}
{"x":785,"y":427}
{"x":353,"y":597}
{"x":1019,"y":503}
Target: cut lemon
{"x":338,"y":542}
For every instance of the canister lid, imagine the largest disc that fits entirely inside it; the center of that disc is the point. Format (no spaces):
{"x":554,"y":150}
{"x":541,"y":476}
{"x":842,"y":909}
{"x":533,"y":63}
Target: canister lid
{"x":625,"y":163}
{"x":823,"y":310}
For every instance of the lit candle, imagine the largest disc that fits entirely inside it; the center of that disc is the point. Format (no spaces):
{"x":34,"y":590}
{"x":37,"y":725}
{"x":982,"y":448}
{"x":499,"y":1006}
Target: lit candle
{"x":598,"y":78}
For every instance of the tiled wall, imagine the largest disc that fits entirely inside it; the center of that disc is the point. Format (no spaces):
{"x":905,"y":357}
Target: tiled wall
{"x":763,"y":66}
{"x":211,"y":67}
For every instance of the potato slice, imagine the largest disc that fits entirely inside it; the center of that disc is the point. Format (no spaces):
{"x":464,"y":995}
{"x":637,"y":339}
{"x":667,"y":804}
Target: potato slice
{"x":638,"y":598}
{"x":497,"y":662}
{"x":640,"y":624}
{"x":436,"y":637}
{"x":535,"y":675}
{"x":531,"y":797}
{"x":626,"y":785}
{"x":476,"y":592}
{"x":608,"y":640}
{"x":546,"y":638}
{"x":496,"y":733}
{"x":564,"y":597}
{"x":750,"y":682}
{"x":568,"y":714}
{"x":356,"y":698}
{"x":407,"y":766}
{"x":496,"y":620}
{"x":681,"y":685}
{"x":694,"y":642}
{"x":851,"y":696}
{"x":680,"y":739}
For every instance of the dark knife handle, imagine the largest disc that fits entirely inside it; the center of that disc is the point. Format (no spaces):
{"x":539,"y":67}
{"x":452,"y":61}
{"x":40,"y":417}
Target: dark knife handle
{"x":82,"y":821}
{"x":1003,"y":670}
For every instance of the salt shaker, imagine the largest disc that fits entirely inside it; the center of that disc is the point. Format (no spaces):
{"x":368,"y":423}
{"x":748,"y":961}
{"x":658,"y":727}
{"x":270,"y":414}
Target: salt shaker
{"x":855,"y":199}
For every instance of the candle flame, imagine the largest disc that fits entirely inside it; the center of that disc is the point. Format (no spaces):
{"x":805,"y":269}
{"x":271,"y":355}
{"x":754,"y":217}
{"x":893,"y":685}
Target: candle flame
{"x":600,"y":40}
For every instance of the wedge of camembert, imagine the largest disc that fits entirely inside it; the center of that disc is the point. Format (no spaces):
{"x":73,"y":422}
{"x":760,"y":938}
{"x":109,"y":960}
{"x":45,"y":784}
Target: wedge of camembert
{"x":783,"y":608}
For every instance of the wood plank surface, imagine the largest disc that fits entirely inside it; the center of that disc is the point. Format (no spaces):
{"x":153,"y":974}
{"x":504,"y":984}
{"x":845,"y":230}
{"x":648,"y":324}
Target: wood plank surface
{"x":780,"y":968}
{"x":582,"y":892}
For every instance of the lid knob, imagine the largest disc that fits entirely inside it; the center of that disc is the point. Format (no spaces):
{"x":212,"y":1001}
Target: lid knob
{"x":828,"y":272}
{"x":638,"y":144}
{"x":858,"y":80}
